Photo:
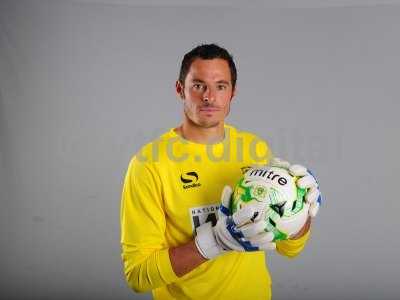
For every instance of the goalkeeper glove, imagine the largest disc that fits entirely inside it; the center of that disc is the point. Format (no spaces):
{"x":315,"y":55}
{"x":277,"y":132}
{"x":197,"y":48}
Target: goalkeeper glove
{"x":241,"y":231}
{"x":306,"y":181}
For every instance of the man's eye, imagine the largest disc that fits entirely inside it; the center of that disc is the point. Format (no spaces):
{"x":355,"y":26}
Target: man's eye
{"x":222,"y":87}
{"x":198,"y":86}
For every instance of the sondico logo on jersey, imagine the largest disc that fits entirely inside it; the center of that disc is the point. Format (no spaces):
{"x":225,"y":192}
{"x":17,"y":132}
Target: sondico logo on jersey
{"x":190,"y":180}
{"x":203,"y":214}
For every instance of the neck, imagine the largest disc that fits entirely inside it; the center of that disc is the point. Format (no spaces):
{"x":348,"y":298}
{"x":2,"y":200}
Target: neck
{"x":202,"y":135}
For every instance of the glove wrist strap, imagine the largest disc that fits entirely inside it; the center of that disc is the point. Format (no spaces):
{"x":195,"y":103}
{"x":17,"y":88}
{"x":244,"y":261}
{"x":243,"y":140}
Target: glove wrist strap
{"x":205,"y":241}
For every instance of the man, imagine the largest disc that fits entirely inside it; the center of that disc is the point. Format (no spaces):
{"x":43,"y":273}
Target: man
{"x":172,"y":241}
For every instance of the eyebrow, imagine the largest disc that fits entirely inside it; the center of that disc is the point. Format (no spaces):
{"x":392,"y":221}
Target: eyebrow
{"x":197,"y":80}
{"x":219,"y":81}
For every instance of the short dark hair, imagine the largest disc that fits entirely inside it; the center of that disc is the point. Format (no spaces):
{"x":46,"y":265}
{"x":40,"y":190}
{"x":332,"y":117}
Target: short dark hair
{"x":207,"y":51}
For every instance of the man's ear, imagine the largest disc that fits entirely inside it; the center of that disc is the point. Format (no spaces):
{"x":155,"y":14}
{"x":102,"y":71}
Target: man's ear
{"x":179,"y":90}
{"x":234,"y":93}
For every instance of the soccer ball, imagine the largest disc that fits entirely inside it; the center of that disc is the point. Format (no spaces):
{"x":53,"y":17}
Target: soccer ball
{"x":283,"y":207}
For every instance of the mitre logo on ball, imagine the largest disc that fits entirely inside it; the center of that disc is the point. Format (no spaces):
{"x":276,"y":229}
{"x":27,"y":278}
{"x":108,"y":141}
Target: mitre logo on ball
{"x":284,"y":209}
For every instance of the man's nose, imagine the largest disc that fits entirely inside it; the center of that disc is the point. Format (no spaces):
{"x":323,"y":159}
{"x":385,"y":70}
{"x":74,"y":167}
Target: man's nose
{"x":209,"y":95}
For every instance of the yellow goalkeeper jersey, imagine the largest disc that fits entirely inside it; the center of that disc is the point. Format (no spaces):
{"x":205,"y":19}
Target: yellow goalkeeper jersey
{"x":172,"y":186}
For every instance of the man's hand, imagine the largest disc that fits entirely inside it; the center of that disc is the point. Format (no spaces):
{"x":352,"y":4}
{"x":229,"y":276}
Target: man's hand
{"x":306,"y":181}
{"x":242,"y":231}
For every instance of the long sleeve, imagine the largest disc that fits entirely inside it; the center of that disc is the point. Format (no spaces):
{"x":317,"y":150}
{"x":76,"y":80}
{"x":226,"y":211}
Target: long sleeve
{"x":144,"y":249}
{"x":291,"y":248}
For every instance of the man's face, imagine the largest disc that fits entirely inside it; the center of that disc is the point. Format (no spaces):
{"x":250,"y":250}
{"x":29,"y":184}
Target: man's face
{"x":207,"y":92}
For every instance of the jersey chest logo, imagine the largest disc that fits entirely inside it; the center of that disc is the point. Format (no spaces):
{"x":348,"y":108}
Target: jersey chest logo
{"x":190,"y":180}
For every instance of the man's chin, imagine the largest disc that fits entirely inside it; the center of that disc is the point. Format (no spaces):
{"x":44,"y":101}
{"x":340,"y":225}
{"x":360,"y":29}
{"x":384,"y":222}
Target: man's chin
{"x":203,"y":122}
{"x":208,"y":124}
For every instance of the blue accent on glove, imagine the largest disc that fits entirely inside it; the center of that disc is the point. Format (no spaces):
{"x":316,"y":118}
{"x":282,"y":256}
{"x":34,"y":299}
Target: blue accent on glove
{"x":238,"y":235}
{"x":224,"y":210}
{"x":319,"y":200}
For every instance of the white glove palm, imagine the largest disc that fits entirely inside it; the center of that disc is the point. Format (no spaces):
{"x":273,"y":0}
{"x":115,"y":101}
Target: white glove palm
{"x":306,"y":181}
{"x":242,"y":231}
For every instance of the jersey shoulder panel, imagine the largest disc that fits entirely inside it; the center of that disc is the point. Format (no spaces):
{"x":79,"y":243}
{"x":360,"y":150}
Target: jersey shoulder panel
{"x":154,"y":151}
{"x":255,"y":147}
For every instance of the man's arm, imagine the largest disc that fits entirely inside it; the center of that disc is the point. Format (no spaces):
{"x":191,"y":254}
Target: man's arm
{"x":232,"y":232}
{"x":145,"y":252}
{"x":185,"y":258}
{"x":294,"y":245}
{"x":303,"y":230}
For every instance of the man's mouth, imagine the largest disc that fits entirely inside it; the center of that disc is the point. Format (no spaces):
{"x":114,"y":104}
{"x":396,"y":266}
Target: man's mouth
{"x":209,"y":109}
